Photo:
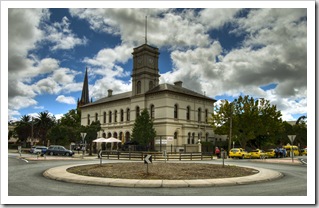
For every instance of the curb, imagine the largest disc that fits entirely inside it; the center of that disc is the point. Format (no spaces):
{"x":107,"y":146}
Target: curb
{"x":60,"y":174}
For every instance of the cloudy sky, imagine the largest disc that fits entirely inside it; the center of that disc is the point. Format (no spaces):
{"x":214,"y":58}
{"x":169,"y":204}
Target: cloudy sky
{"x":221,"y":52}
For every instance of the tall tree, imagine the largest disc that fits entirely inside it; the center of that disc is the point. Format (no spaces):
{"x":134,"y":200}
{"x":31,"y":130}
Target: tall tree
{"x":253,"y":120}
{"x":71,"y":122}
{"x":143,"y":130}
{"x":24,"y":128}
{"x":91,"y":133}
{"x":43,"y":123}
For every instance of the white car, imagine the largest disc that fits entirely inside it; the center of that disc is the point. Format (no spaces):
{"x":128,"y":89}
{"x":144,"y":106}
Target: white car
{"x":39,"y":150}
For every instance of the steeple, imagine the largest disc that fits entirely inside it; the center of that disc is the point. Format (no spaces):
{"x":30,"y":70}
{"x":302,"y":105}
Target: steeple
{"x":85,"y":91}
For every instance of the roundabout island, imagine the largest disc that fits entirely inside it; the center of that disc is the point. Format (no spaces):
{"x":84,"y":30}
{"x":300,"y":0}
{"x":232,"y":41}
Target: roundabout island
{"x":134,"y":174}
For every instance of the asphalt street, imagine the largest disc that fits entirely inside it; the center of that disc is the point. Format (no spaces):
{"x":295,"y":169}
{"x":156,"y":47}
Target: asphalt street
{"x":25,"y":178}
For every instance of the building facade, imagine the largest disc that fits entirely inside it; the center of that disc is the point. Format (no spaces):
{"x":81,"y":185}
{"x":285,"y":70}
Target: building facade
{"x":180,"y":115}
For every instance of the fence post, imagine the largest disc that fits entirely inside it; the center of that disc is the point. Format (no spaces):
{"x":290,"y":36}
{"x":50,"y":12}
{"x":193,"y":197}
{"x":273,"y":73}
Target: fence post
{"x":201,"y":156}
{"x":180,"y":156}
{"x":118,"y":155}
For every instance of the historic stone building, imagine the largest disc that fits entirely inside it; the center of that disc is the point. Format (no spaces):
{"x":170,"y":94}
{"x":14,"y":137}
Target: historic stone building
{"x":180,"y":115}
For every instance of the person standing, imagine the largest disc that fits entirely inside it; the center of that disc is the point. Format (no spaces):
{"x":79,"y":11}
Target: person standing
{"x":217,"y":152}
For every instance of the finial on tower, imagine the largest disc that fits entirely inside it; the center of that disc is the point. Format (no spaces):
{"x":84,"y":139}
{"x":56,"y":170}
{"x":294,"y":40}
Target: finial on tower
{"x":145,"y":29}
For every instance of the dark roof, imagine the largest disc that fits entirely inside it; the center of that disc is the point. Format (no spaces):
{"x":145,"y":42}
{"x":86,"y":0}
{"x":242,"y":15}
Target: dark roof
{"x":111,"y":98}
{"x":158,"y":88}
{"x":178,"y":89}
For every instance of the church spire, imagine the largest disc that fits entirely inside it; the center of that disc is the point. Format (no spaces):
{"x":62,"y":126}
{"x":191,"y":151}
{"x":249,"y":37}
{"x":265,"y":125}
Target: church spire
{"x":85,"y":91}
{"x":145,"y":29}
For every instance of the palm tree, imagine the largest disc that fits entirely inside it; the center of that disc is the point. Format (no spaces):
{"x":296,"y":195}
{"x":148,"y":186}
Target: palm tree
{"x":23,"y":128}
{"x":43,"y":123}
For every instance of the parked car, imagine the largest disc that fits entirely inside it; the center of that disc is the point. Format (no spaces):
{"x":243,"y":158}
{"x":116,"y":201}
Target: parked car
{"x":239,"y":153}
{"x":258,"y":154}
{"x":59,"y":150}
{"x":271,"y":153}
{"x":303,"y":151}
{"x":40,"y":149}
{"x":32,"y":149}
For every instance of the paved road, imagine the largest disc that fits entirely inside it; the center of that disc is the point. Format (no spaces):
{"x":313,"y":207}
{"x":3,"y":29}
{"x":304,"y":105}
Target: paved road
{"x":26,"y":179}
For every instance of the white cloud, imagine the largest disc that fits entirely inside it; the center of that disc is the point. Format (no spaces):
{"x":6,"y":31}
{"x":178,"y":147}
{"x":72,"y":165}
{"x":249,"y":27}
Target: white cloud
{"x":67,"y":100}
{"x":62,"y":36}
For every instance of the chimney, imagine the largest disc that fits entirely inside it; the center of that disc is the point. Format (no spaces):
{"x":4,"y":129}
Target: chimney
{"x":109,"y":93}
{"x":178,"y":83}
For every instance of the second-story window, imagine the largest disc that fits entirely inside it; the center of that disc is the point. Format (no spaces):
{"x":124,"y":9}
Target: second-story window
{"x":188,"y":113}
{"x":115,"y":116}
{"x":96,"y":116}
{"x":137,"y":111}
{"x":110,"y":116}
{"x":176,"y":111}
{"x":152,"y":111}
{"x":89,"y":119}
{"x":128,"y":113}
{"x":104,"y":117}
{"x":122,"y":115}
{"x":199,"y":114}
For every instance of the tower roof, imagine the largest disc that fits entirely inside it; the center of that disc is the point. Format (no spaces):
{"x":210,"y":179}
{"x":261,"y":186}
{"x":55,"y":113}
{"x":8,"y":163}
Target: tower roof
{"x":85,"y":90}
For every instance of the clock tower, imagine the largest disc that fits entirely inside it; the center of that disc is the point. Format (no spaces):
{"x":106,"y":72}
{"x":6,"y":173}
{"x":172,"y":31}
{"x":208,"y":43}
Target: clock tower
{"x":145,"y":74}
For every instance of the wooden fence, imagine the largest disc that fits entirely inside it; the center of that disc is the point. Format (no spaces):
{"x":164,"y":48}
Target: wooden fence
{"x":158,"y":155}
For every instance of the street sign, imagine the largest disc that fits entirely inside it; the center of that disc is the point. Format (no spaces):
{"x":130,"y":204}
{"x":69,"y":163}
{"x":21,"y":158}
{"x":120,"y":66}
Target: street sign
{"x":147,"y":159}
{"x":100,"y":154}
{"x":292,"y":138}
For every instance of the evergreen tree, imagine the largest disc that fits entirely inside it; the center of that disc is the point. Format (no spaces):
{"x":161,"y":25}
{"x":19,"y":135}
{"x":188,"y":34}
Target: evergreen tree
{"x":143,"y":130}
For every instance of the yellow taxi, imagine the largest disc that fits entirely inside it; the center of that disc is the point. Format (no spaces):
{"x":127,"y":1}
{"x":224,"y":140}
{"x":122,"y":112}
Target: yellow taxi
{"x":238,"y":153}
{"x":303,"y":152}
{"x":271,"y":153}
{"x":258,"y":154}
{"x":290,"y":148}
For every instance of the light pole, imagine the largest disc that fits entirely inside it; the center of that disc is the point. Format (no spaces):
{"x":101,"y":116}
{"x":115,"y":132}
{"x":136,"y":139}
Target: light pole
{"x":230,"y":126}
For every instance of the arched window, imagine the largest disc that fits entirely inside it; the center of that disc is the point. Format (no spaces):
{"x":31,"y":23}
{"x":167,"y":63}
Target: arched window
{"x":188,"y":113}
{"x":128,"y":112}
{"x":110,"y":116}
{"x":109,"y":135}
{"x":175,"y":135}
{"x":189,"y":138}
{"x":175,"y":111}
{"x":151,"y":85}
{"x":137,"y":111}
{"x":193,"y":138}
{"x":206,"y":115}
{"x":115,"y":135}
{"x":104,"y":135}
{"x":96,"y":116}
{"x":122,"y":115}
{"x":138,"y":87}
{"x":89,"y":119}
{"x":199,"y":114}
{"x":104,"y":117}
{"x":127,"y":136}
{"x":152,"y":108}
{"x":115,"y":116}
{"x":199,"y":136}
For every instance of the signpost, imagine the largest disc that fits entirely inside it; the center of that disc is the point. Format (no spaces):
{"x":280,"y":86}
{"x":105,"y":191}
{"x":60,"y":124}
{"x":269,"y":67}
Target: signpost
{"x":100,"y":156}
{"x":292,"y":138}
{"x":147,"y":160}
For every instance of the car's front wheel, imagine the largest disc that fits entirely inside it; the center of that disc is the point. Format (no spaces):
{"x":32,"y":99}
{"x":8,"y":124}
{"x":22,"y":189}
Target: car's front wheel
{"x":67,"y":154}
